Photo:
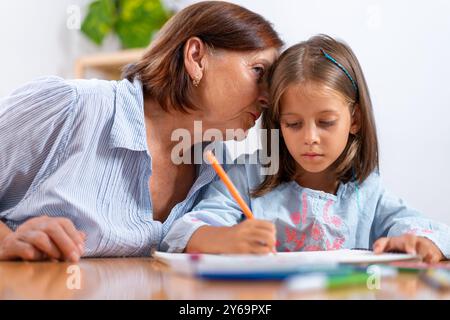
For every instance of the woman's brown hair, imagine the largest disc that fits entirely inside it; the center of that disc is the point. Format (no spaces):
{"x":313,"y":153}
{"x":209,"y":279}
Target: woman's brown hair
{"x":311,"y":62}
{"x":220,"y":25}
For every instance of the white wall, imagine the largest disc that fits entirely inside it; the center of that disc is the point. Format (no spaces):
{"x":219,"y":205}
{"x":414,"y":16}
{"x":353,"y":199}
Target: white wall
{"x":404,"y":49}
{"x":402,"y":45}
{"x":35,"y":40}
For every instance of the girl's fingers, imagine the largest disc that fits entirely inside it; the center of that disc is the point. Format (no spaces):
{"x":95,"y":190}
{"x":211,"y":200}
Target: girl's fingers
{"x":405,"y":243}
{"x":262,"y":237}
{"x":263,"y":224}
{"x":257,"y":248}
{"x":434,"y":258}
{"x":42,"y":242}
{"x":268,"y":226}
{"x":410,"y":244}
{"x":428,"y":251}
{"x":380,"y":245}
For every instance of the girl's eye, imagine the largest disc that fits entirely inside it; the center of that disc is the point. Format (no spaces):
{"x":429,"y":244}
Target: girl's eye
{"x":327,"y":124}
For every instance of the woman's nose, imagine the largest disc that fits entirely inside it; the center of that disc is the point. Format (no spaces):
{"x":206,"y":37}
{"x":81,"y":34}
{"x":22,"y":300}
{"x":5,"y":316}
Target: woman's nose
{"x":263,"y":101}
{"x":263,"y":98}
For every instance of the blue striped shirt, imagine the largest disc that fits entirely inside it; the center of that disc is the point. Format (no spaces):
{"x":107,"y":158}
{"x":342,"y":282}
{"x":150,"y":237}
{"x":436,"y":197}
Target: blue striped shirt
{"x":78,"y":149}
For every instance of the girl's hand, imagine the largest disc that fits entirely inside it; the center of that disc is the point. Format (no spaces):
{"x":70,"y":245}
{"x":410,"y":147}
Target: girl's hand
{"x":412,"y":244}
{"x":250,"y":236}
{"x":44,"y":238}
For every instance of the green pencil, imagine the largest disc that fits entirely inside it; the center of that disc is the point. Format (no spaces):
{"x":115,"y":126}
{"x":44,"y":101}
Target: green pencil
{"x":326,"y":281}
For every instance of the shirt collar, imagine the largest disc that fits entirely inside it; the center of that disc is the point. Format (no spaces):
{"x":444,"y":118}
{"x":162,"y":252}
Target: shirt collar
{"x":128,"y":128}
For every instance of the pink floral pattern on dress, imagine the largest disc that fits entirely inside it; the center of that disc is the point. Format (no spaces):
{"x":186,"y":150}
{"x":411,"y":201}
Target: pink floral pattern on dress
{"x":313,"y":248}
{"x":304,"y":207}
{"x":314,"y":233}
{"x":296,"y":217}
{"x":416,"y":231}
{"x":300,"y":217}
{"x":334,"y":220}
{"x":336,"y":245}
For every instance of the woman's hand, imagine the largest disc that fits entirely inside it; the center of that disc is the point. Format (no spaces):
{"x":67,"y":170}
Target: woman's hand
{"x":44,"y":238}
{"x":408,"y":243}
{"x":250,"y":236}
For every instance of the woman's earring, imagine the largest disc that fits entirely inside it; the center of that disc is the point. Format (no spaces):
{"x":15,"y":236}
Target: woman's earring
{"x":196,"y":82}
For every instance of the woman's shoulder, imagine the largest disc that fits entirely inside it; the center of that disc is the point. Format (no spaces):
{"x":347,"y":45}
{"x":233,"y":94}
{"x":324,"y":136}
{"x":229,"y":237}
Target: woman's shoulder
{"x":40,"y":90}
{"x":45,"y":83}
{"x":94,"y":87}
{"x":44,"y":98}
{"x":59,"y":92}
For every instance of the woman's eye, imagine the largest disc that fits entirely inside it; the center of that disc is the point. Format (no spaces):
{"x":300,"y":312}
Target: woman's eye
{"x":259,"y":71}
{"x":327,"y":124}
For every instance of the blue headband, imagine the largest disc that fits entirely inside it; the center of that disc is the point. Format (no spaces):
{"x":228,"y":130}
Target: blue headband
{"x":340,"y":66}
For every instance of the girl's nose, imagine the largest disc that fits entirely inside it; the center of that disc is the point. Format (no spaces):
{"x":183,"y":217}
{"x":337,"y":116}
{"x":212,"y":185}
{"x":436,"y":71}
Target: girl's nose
{"x":311,"y":135}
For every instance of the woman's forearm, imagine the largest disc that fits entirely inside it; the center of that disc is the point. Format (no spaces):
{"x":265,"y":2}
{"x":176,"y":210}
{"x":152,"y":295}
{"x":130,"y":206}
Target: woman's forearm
{"x":4,"y":231}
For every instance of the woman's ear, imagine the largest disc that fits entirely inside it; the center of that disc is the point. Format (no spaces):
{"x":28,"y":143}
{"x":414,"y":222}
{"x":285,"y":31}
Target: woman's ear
{"x":195,"y":58}
{"x":356,"y":120}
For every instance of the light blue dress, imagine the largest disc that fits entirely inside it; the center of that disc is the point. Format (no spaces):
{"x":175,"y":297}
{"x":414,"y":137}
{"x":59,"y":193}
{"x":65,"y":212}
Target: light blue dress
{"x":310,"y":220}
{"x":78,"y":149}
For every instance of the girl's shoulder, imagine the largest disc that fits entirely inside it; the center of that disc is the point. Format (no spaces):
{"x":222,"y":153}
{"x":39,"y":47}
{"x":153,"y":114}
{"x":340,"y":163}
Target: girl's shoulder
{"x":370,"y":187}
{"x":248,"y":165}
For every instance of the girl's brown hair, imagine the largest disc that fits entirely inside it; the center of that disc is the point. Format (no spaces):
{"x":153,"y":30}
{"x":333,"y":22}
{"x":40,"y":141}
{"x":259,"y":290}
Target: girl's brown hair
{"x":307,"y":62}
{"x":220,"y":25}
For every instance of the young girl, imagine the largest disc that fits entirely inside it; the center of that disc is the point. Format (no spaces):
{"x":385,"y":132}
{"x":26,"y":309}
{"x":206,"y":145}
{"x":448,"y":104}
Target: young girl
{"x":327,"y":193}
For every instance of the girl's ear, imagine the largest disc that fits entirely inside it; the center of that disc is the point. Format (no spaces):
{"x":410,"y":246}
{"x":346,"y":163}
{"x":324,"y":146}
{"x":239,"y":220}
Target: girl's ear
{"x":195,"y":58}
{"x":356,"y":120}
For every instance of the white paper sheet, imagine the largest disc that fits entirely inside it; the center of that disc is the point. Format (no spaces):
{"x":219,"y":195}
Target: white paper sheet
{"x":279,"y":262}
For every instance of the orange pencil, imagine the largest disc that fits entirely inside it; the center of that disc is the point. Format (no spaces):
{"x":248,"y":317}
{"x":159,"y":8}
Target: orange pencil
{"x":230,"y":186}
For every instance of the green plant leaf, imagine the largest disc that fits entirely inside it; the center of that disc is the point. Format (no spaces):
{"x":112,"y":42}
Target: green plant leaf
{"x":100,"y":20}
{"x":138,"y":20}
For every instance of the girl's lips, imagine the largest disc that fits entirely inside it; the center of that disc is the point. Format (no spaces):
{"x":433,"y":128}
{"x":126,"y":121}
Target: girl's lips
{"x":312,"y":155}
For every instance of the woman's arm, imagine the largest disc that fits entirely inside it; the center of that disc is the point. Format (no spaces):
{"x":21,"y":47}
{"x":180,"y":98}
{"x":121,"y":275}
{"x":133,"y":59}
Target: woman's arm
{"x":33,"y":122}
{"x":42,"y":238}
{"x":4,"y":231}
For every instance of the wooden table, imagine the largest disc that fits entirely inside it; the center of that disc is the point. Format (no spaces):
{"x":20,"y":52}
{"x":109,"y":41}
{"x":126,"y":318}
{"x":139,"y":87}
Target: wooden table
{"x":145,"y":278}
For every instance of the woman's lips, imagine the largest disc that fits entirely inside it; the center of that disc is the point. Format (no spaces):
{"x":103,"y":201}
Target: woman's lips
{"x":255,"y":115}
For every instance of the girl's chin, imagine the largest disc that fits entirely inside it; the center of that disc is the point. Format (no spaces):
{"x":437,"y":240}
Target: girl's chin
{"x":308,"y":167}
